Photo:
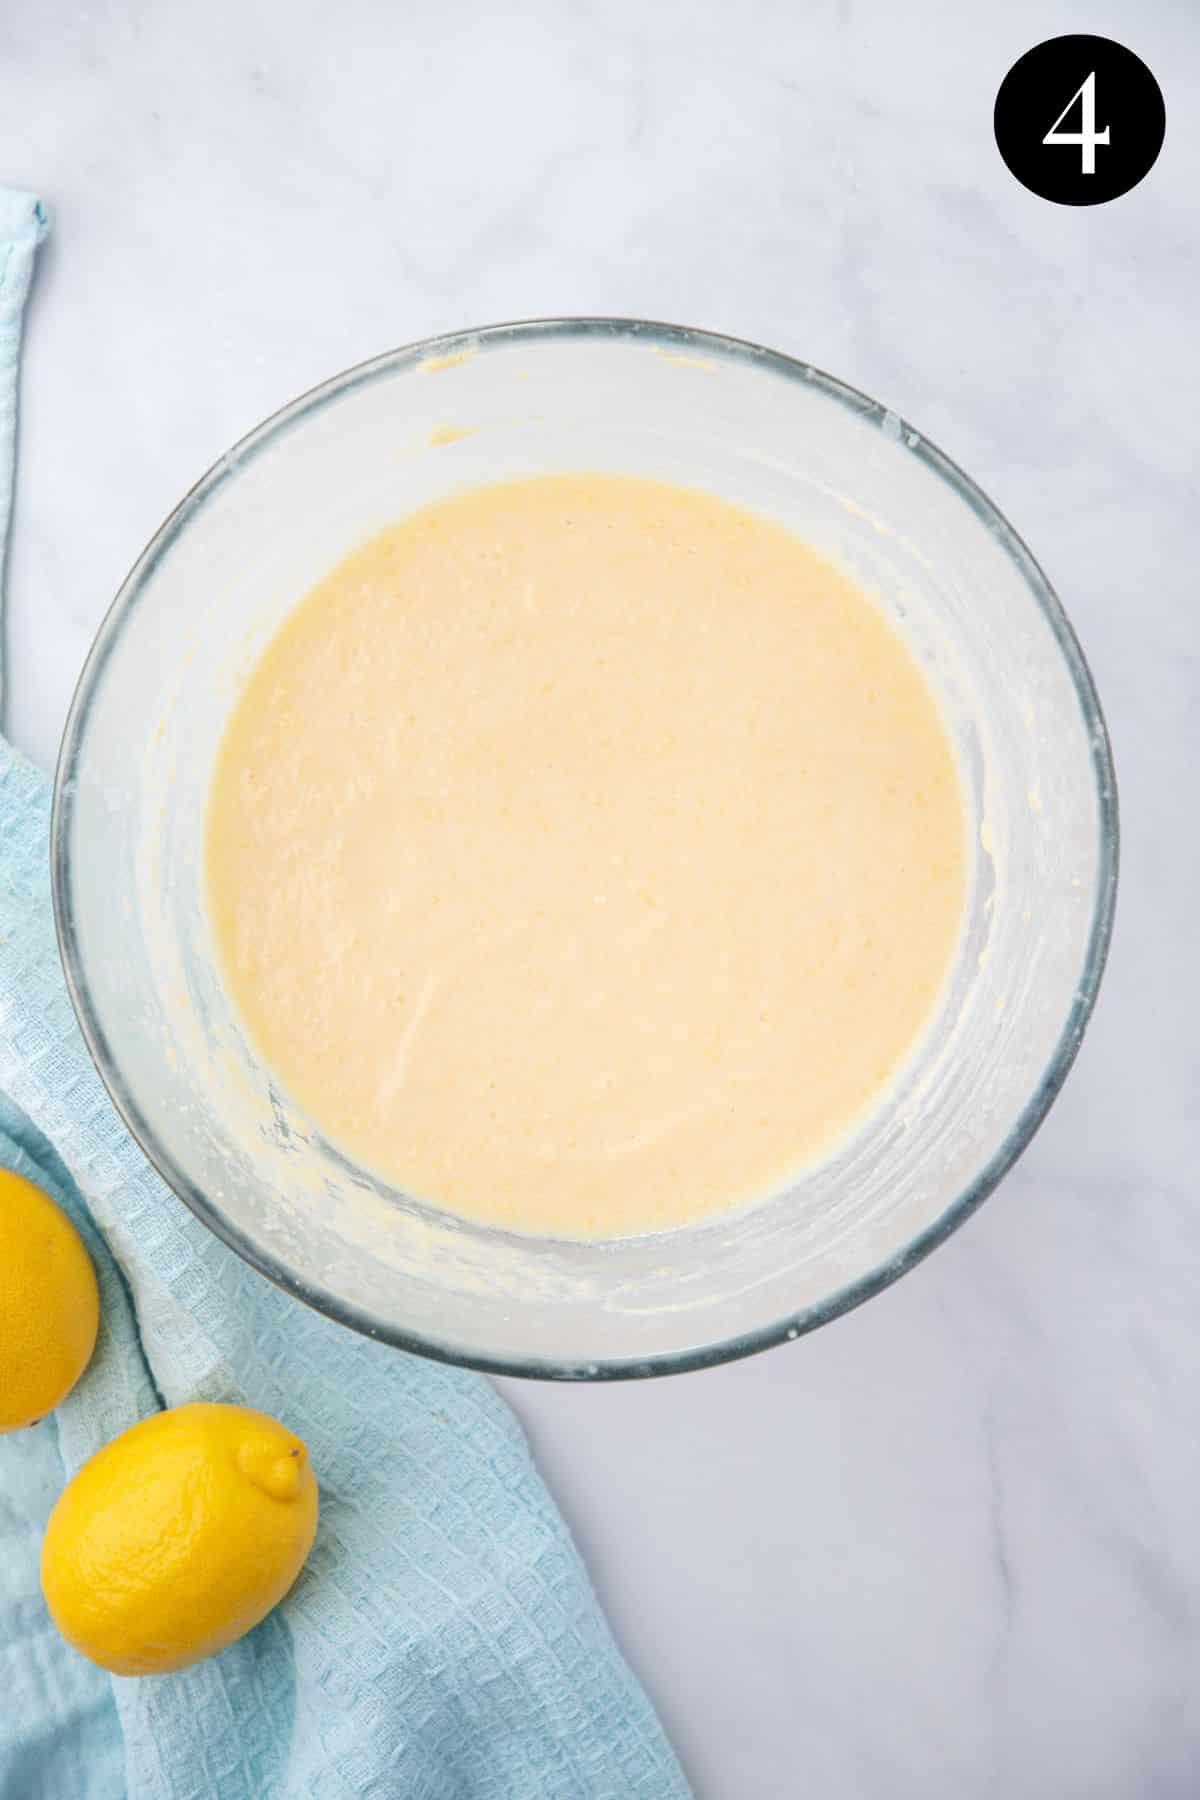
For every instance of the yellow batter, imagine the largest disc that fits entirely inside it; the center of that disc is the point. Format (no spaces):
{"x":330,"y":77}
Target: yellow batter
{"x":585,"y":854}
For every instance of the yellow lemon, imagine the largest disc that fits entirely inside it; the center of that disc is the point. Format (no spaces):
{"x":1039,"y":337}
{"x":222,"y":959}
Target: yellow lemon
{"x":49,"y":1306}
{"x":178,"y":1536}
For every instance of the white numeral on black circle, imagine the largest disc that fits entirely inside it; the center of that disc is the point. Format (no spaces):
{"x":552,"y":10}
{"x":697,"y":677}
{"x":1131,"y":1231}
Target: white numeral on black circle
{"x":1087,"y":137}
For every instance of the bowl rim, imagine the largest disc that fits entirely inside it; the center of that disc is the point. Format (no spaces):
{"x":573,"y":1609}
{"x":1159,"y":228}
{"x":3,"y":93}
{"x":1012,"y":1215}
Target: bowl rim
{"x":675,"y":338}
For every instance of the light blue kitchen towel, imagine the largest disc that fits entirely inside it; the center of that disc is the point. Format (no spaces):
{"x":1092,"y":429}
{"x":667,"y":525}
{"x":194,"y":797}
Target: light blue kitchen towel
{"x":443,"y":1642}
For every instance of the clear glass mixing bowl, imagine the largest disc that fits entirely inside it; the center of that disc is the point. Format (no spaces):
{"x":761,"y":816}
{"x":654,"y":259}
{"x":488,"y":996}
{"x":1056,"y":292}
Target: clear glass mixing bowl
{"x":245,"y":545}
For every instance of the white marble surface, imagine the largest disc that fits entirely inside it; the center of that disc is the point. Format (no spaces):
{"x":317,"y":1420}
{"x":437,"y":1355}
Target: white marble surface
{"x":948,"y":1546}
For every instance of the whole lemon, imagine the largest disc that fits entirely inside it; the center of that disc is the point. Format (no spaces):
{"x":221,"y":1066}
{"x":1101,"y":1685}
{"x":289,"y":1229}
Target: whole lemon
{"x":178,"y":1537}
{"x":49,"y":1306}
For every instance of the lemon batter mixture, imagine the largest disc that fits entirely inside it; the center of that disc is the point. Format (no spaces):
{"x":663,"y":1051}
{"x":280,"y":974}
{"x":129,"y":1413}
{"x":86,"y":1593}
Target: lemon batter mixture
{"x":585,"y":854}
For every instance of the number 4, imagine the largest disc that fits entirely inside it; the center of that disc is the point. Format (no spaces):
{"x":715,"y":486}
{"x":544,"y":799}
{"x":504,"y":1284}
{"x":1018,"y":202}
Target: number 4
{"x":1087,"y":137}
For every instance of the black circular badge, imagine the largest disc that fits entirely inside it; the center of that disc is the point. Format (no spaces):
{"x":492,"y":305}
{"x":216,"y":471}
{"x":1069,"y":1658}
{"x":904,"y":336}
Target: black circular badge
{"x":1079,"y":120}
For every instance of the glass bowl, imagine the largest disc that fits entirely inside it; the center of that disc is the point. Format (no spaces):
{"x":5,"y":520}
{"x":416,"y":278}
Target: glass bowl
{"x":598,"y":394}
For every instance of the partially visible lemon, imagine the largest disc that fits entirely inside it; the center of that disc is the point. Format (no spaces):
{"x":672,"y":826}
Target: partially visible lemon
{"x":178,"y":1537}
{"x":49,"y":1306}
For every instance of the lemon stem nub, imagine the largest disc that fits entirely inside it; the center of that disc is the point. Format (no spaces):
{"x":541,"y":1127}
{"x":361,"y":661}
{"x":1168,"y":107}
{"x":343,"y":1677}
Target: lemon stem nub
{"x":279,"y":1476}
